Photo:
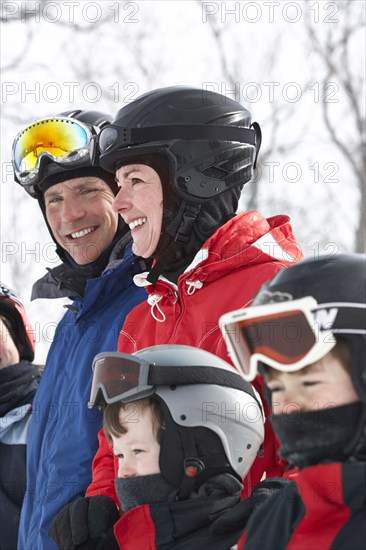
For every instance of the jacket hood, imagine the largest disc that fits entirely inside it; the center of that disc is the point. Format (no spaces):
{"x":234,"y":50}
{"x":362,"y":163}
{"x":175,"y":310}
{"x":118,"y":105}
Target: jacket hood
{"x":248,"y":238}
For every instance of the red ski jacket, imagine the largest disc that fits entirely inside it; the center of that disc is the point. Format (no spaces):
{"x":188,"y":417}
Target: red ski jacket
{"x":324,"y":508}
{"x":225,"y":275}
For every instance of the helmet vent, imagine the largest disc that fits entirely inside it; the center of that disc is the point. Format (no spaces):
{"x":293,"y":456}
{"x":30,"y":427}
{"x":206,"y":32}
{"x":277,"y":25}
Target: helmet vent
{"x":215,"y":173}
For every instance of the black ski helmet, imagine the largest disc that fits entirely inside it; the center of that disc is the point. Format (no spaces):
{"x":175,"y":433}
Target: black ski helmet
{"x":204,"y":148}
{"x":339,"y":282}
{"x":12,"y":310}
{"x":213,"y":421}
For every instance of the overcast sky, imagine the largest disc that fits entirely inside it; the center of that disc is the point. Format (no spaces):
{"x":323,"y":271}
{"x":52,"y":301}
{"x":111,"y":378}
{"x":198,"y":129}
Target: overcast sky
{"x":101,"y":55}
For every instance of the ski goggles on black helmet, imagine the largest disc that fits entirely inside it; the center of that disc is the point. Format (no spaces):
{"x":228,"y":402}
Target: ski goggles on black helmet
{"x":289,"y":335}
{"x":120,"y":377}
{"x":64,"y":141}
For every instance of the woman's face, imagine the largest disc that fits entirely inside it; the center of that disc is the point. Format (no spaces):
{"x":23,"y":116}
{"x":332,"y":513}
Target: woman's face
{"x":140,"y":203}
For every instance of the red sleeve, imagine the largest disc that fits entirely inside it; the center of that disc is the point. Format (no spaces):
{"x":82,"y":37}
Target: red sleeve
{"x":269,"y":463}
{"x":241,"y":541}
{"x":104,"y":471}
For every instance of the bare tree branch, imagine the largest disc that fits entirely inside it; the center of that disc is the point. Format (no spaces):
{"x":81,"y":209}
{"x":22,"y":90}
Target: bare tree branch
{"x":334,"y":55}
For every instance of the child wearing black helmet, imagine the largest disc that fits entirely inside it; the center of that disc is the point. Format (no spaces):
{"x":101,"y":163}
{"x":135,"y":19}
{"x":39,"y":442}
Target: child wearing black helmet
{"x":185,"y":428}
{"x":307,"y":337}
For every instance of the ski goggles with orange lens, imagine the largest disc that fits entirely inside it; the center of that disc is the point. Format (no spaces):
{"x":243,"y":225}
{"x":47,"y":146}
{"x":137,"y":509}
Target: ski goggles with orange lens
{"x":286,"y":336}
{"x":62,"y":140}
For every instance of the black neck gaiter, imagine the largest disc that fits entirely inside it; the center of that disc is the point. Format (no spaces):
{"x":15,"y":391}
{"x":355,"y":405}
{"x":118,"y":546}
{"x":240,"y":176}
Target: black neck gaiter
{"x":150,"y":489}
{"x":313,"y":437}
{"x":154,"y":488}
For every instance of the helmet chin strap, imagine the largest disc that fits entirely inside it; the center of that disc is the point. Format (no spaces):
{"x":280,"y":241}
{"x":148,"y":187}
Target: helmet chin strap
{"x":198,"y":469}
{"x":192,"y":465}
{"x":183,"y":234}
{"x":258,"y":133}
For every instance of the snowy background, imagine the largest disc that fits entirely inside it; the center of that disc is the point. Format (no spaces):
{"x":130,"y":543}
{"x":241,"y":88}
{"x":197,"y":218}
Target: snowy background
{"x":299,"y":67}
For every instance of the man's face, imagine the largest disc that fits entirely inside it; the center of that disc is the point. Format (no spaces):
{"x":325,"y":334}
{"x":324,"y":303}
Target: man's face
{"x":79,"y":212}
{"x":322,"y":385}
{"x":138,"y":449}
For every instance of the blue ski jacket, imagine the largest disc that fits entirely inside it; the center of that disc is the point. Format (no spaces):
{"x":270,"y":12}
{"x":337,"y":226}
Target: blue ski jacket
{"x":63,"y":431}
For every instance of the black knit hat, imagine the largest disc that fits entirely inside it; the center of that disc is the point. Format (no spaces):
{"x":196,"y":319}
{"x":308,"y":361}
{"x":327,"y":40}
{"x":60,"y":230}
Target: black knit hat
{"x":85,"y":172}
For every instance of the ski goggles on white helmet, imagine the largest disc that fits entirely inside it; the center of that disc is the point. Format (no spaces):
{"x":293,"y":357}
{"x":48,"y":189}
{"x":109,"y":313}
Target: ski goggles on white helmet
{"x":120,"y":377}
{"x":288,"y":335}
{"x":62,"y":140}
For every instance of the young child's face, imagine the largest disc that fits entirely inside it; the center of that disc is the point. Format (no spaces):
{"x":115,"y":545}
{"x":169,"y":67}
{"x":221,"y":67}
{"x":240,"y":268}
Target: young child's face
{"x":137,"y":450}
{"x":322,"y":385}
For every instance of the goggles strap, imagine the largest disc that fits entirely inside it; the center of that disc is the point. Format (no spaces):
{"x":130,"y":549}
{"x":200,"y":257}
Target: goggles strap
{"x":133,"y":136}
{"x":179,"y":376}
